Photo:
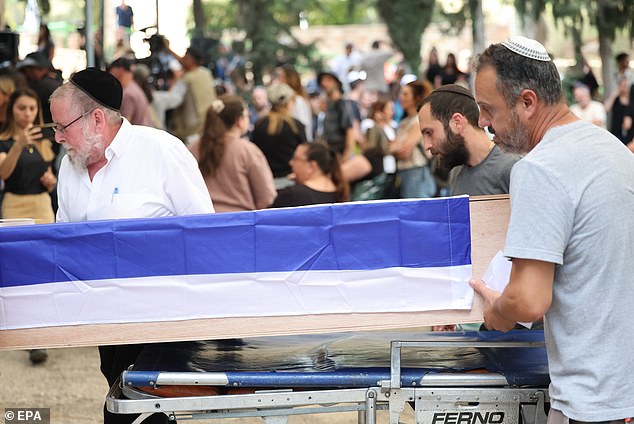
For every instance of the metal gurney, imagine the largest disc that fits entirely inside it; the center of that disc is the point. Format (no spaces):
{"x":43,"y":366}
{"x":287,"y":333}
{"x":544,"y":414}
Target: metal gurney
{"x":448,"y":378}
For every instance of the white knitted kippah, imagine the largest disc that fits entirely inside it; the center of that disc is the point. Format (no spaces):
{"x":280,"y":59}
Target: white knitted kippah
{"x":527,"y":47}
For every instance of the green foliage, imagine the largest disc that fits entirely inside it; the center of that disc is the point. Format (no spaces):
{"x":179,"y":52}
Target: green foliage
{"x":338,"y":12}
{"x":219,"y":15}
{"x":451,"y":23}
{"x":406,"y":21}
{"x":269,"y":40}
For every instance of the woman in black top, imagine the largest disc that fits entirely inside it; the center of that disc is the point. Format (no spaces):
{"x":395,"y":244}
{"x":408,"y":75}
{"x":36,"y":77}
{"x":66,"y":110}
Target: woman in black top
{"x":25,"y":161}
{"x":620,"y":104}
{"x":318,"y":178}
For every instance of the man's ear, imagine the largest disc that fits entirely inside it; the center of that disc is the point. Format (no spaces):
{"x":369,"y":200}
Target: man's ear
{"x":99,"y":119}
{"x":528,"y":102}
{"x":457,"y":123}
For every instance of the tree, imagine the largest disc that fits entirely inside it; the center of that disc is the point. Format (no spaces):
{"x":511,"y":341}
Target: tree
{"x":269,"y":40}
{"x":406,"y":21}
{"x":199,"y":17}
{"x":477,"y":26}
{"x":607,"y":16}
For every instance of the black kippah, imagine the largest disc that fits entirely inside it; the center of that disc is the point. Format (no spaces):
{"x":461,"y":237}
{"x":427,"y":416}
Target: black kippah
{"x":454,"y":89}
{"x":100,"y":86}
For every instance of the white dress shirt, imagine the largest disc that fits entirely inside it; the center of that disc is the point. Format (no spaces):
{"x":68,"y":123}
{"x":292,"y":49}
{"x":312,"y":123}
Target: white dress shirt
{"x":149,"y":173}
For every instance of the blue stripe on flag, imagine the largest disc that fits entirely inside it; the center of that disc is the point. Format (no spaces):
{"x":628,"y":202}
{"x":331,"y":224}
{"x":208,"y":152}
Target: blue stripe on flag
{"x":348,"y":236}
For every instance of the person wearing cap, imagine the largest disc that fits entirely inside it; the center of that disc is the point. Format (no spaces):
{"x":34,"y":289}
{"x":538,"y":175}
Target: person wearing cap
{"x":301,"y":111}
{"x":278,"y":134}
{"x":448,"y":120}
{"x":570,"y":229}
{"x":113,"y":170}
{"x":338,"y":123}
{"x":37,"y":69}
{"x":189,"y":117}
{"x":135,"y":106}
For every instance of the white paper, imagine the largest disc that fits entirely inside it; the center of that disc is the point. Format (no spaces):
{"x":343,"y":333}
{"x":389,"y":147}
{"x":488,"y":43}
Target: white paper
{"x":497,"y":276}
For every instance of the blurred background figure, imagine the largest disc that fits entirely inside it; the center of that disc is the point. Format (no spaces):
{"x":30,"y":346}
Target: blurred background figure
{"x":236,"y":172}
{"x":338,"y":119}
{"x":188,"y":119}
{"x":301,"y":107}
{"x":45,"y":43}
{"x":343,"y":64}
{"x":450,"y":73}
{"x":623,"y":68}
{"x":135,"y":106}
{"x":7,"y":86}
{"x":412,"y":163}
{"x":372,"y":172}
{"x":125,"y":22}
{"x":618,"y":105}
{"x":259,"y":106}
{"x":587,"y":109}
{"x":433,"y":73}
{"x":318,"y":178}
{"x":278,"y":134}
{"x":373,"y":63}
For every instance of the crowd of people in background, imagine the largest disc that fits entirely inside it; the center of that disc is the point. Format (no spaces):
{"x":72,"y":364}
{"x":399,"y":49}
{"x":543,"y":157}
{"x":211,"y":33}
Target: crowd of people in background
{"x":368,"y":122}
{"x":332,"y":135}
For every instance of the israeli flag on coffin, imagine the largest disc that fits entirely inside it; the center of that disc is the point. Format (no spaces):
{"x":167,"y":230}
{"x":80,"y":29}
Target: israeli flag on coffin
{"x":391,"y":256}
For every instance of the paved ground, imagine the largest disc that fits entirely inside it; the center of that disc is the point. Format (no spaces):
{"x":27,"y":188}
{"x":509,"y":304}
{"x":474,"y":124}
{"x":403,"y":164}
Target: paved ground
{"x":70,"y":384}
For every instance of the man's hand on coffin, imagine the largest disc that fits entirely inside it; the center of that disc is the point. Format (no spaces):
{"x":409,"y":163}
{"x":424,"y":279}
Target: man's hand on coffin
{"x":526,"y":298}
{"x":492,"y":319}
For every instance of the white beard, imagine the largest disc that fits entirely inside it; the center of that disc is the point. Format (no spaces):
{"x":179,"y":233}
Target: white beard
{"x":93,"y":147}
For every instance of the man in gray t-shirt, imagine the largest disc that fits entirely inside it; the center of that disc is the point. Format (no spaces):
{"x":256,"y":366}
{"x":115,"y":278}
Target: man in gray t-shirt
{"x":571,"y":226}
{"x":448,"y":120}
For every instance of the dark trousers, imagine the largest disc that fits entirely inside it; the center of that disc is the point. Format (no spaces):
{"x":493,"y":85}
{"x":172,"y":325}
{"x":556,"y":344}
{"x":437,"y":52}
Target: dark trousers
{"x":115,"y":360}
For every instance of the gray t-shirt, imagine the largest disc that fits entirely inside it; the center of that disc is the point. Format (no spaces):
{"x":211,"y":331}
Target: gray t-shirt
{"x":572,"y":204}
{"x":491,"y":176}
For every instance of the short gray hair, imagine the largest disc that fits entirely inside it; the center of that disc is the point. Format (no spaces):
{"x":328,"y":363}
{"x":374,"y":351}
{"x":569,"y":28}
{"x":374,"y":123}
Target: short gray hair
{"x":516,"y":73}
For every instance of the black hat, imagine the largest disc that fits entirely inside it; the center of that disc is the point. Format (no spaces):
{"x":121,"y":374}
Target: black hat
{"x":35,"y":60}
{"x":454,"y":89}
{"x":100,"y":86}
{"x":322,"y":74}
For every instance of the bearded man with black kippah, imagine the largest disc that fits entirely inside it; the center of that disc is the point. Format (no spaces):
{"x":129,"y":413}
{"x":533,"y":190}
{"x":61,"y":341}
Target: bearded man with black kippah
{"x":114,"y":170}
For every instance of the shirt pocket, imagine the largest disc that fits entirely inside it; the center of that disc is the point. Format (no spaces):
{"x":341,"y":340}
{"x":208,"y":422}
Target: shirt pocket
{"x":132,"y":205}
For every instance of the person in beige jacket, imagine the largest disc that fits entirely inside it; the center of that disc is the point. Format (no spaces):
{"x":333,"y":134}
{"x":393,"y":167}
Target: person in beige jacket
{"x":189,"y":117}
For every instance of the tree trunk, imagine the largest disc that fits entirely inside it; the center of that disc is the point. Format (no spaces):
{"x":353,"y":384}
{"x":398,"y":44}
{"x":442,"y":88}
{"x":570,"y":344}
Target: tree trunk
{"x":199,"y":17}
{"x":606,"y":38}
{"x":477,"y":26}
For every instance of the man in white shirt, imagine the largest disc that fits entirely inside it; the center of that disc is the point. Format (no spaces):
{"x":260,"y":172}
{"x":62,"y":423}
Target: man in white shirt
{"x":117,"y":170}
{"x":587,"y":109}
{"x":341,"y":65}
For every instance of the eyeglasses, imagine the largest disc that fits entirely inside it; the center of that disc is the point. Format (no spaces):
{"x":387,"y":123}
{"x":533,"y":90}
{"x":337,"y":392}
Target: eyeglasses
{"x":62,"y":129}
